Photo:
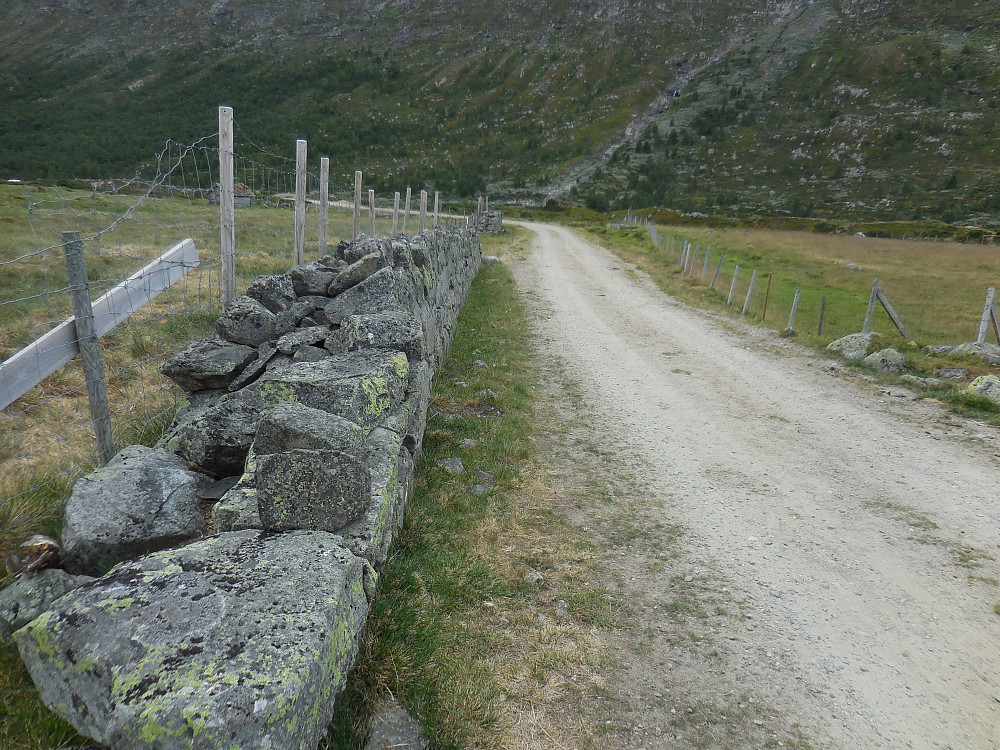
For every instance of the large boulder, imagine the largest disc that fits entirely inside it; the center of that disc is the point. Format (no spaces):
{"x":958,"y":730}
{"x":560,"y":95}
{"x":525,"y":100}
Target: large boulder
{"x":145,"y":499}
{"x":985,"y":386}
{"x":381,"y":292}
{"x":236,"y":641}
{"x":27,"y":598}
{"x":293,"y":425}
{"x":886,"y":362}
{"x":212,"y":363}
{"x":856,"y":345}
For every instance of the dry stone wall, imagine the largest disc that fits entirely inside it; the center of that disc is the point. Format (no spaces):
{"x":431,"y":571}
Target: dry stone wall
{"x":289,"y":468}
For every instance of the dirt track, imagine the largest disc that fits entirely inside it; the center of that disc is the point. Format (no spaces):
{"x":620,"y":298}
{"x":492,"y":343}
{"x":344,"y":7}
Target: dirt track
{"x":834,"y":511}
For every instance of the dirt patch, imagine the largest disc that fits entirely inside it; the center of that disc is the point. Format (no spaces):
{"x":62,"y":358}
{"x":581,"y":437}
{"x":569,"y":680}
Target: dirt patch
{"x":799,"y":560}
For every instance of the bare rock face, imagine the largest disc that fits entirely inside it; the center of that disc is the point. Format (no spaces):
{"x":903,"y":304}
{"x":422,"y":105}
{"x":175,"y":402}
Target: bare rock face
{"x":240,"y":640}
{"x":144,"y":499}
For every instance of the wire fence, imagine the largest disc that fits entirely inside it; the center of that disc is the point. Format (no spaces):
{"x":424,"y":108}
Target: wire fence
{"x":47,"y":439}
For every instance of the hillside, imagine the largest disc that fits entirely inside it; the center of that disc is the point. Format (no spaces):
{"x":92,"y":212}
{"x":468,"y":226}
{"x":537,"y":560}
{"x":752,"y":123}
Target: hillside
{"x":745,"y":107}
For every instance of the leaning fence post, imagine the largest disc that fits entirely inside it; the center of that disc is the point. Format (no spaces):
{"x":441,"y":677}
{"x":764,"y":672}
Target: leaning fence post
{"x":732,"y":287}
{"x":371,"y":213}
{"x":395,"y":213}
{"x":871,"y":308}
{"x":989,"y":313}
{"x":324,"y":202}
{"x":90,"y":354}
{"x":406,"y":214}
{"x":790,"y":331}
{"x":746,"y":302}
{"x":357,"y":204}
{"x":423,"y":210}
{"x":704,"y":265}
{"x":717,"y":269}
{"x":300,"y":202}
{"x":227,"y":205}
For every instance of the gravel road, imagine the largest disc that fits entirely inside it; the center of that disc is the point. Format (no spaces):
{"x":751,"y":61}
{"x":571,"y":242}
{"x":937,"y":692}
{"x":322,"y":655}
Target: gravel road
{"x":855,"y":525}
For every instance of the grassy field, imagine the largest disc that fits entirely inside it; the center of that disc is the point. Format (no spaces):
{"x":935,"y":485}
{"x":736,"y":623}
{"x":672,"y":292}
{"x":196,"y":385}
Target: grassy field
{"x":937,"y":288}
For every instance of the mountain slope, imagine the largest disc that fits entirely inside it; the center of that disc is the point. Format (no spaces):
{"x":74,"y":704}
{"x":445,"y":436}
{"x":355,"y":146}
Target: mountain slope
{"x":745,"y":106}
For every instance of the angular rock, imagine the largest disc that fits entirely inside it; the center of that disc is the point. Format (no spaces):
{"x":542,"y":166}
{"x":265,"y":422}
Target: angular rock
{"x":216,"y":439}
{"x":273,"y":292}
{"x":952,"y":373}
{"x":361,"y":386}
{"x":885,"y":361}
{"x":939,"y":349}
{"x":856,"y":345}
{"x":265,"y":352}
{"x":237,"y":510}
{"x":295,"y":425}
{"x":27,"y":598}
{"x":212,"y":363}
{"x":240,"y":640}
{"x":989,"y":353}
{"x":290,"y":342}
{"x":355,"y":273}
{"x":145,"y":499}
{"x":307,"y":489}
{"x":985,"y":386}
{"x":310,"y":280}
{"x":397,"y":331}
{"x":380,"y":292}
{"x":394,"y":729}
{"x":452,"y":465}
{"x":248,"y":322}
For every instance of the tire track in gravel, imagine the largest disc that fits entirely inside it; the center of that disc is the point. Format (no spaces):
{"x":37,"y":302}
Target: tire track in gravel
{"x":808,"y":494}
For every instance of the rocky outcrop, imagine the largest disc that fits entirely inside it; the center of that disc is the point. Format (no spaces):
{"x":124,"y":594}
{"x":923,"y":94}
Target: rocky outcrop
{"x":885,"y":362}
{"x":311,"y":404}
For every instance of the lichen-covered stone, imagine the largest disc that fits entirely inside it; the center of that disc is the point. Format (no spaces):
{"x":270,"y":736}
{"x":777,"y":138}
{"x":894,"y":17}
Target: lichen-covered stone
{"x":381,"y":292}
{"x":398,"y":331}
{"x":246,"y":321}
{"x":236,"y":641}
{"x":985,"y":386}
{"x":290,"y":342}
{"x":355,"y":273}
{"x":273,"y":292}
{"x":144,"y":499}
{"x":361,"y":386}
{"x":308,"y":489}
{"x":856,"y":345}
{"x":309,"y":354}
{"x":212,"y":363}
{"x":311,"y":279}
{"x":294,"y":425}
{"x":27,"y":598}
{"x":885,"y":361}
{"x":237,"y":510}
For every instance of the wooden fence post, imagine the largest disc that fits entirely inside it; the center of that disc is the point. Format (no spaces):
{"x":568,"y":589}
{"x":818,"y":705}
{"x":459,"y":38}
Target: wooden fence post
{"x":732,"y":287}
{"x":822,"y":314}
{"x":300,"y":202}
{"x":790,"y":331}
{"x":90,"y":355}
{"x":423,"y":210}
{"x":767,"y":296}
{"x":704,"y":265}
{"x":406,"y":214}
{"x":746,"y":302}
{"x":989,"y":314}
{"x":227,"y":205}
{"x":896,"y":320}
{"x":437,"y":208}
{"x":357,"y":204}
{"x":371,"y":213}
{"x":717,"y":269}
{"x":395,"y":213}
{"x":871,"y":308}
{"x":324,"y":202}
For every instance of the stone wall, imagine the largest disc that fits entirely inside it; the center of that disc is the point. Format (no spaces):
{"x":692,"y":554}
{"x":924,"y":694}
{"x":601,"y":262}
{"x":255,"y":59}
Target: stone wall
{"x":245,"y":549}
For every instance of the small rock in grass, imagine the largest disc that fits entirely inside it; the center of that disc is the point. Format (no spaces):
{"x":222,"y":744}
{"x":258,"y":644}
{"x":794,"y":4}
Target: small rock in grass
{"x":534,"y":578}
{"x":452,"y":465}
